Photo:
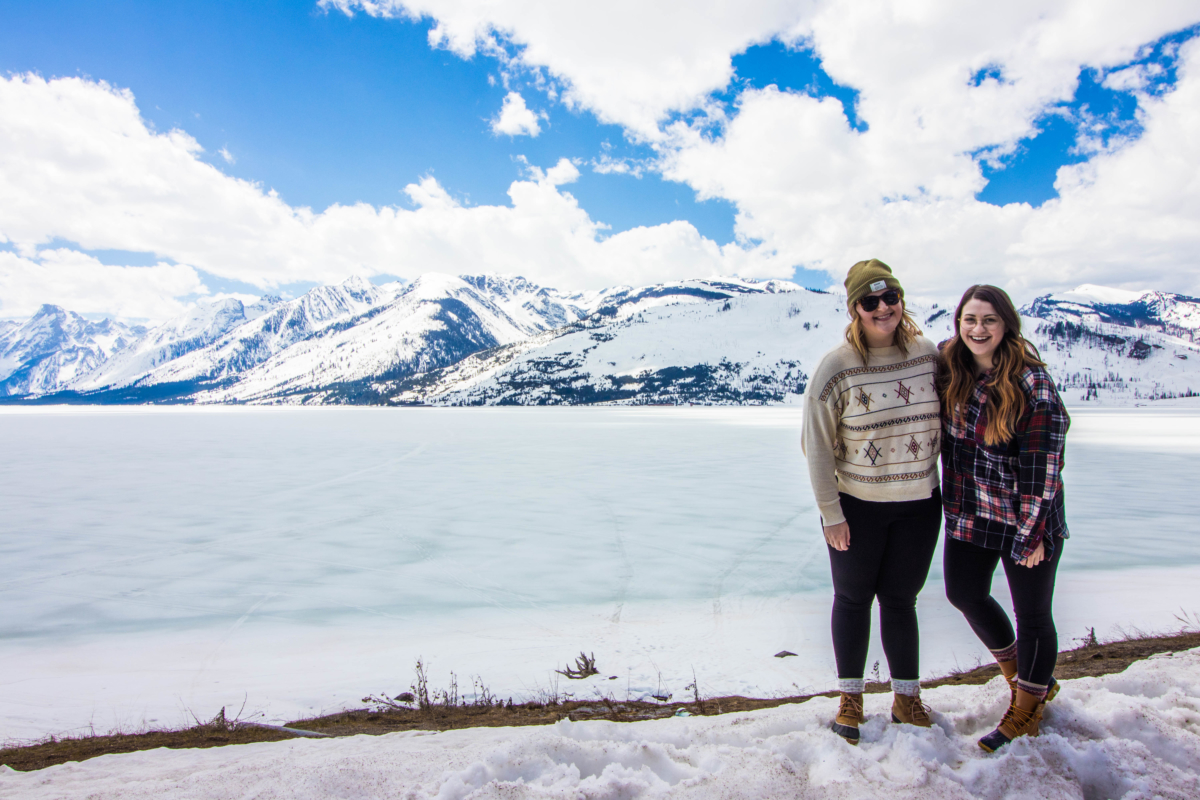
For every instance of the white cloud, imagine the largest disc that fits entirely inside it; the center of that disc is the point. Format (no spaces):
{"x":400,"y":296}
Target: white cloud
{"x":812,"y":191}
{"x":823,"y":195}
{"x":630,"y":62}
{"x":515,"y":119}
{"x":228,"y":156}
{"x":78,"y":163}
{"x":82,"y":284}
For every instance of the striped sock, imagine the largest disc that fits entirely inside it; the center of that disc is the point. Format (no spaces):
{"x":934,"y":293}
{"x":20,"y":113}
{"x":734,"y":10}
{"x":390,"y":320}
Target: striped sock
{"x":851,"y":685}
{"x":910,"y":688}
{"x":1006,"y":654}
{"x":1032,"y":688}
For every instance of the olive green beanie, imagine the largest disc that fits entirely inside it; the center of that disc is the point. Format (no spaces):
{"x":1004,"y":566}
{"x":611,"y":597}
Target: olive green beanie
{"x":869,"y":276}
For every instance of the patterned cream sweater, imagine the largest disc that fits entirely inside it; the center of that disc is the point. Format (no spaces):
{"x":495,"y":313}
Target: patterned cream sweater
{"x":872,"y":431}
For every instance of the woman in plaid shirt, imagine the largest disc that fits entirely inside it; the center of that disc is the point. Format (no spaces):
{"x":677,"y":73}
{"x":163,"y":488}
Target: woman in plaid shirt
{"x":1003,"y":433}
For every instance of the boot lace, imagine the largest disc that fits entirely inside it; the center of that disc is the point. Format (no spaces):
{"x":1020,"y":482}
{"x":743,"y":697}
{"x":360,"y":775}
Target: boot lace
{"x":920,"y":712}
{"x":850,"y":707}
{"x":1016,"y":719}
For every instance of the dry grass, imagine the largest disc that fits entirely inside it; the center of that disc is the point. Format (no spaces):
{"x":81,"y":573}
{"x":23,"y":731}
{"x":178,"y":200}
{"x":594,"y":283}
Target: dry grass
{"x":1089,"y":659}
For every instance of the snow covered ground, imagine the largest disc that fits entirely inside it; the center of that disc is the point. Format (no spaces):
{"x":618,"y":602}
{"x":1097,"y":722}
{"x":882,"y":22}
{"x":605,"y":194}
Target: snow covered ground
{"x":1132,"y":735}
{"x":161,"y":562}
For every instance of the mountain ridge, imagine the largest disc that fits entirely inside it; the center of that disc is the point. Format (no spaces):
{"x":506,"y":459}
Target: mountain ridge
{"x":491,"y":339}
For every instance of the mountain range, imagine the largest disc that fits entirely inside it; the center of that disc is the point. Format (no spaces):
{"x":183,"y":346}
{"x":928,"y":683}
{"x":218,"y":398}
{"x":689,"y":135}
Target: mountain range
{"x":496,"y":340}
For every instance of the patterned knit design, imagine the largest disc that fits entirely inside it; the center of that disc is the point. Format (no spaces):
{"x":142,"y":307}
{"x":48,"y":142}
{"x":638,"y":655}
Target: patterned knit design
{"x":1037,"y":690}
{"x":910,"y":688}
{"x":1008,"y":497}
{"x":852,"y":685}
{"x":1007,"y":654}
{"x":873,"y":431}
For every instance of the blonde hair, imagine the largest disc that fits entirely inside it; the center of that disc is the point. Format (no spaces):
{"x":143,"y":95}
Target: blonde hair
{"x":902,"y":337}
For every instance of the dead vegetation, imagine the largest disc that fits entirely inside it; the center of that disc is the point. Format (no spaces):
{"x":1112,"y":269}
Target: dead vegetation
{"x":438,"y":710}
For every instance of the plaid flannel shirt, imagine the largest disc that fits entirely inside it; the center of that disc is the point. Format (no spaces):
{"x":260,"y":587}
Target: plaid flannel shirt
{"x":1008,"y":497}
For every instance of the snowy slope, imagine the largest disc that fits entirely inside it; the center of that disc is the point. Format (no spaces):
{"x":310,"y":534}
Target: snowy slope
{"x":761,"y":348}
{"x":1131,"y":735}
{"x":1174,"y":314}
{"x":199,"y":327}
{"x":492,"y":339}
{"x":747,"y":347}
{"x":259,"y":338}
{"x":436,"y":322}
{"x":54,"y":346}
{"x":1116,"y":347}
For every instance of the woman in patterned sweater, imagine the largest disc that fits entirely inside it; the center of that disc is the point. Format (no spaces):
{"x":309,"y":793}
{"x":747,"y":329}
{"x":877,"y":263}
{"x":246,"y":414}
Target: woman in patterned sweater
{"x":871,"y":430}
{"x":1004,"y":430}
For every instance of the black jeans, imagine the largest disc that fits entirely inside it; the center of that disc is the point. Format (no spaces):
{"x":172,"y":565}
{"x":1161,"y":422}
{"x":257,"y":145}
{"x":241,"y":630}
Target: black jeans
{"x":969,"y":569}
{"x":891,"y":545}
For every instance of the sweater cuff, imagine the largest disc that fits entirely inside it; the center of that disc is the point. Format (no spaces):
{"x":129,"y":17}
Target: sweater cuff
{"x":831,"y":513}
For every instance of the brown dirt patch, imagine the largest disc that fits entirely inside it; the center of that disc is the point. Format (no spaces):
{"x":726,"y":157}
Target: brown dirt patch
{"x":1085,"y":661}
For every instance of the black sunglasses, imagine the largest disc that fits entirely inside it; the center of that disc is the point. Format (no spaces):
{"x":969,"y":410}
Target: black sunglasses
{"x":871,"y":301}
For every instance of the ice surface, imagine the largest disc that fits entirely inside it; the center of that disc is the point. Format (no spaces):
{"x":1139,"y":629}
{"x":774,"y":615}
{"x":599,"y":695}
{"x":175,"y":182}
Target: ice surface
{"x":167,"y":561}
{"x":1132,"y":735}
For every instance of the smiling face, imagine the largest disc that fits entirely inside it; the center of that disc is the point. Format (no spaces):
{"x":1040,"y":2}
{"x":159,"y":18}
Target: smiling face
{"x":982,"y":330}
{"x":880,"y":325}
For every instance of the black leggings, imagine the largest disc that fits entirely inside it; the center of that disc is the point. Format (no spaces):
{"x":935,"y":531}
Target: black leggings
{"x":969,"y":569}
{"x":891,"y":545}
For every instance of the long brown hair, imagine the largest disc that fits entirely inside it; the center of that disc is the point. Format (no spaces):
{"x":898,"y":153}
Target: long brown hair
{"x":902,"y":337}
{"x":956,"y":378}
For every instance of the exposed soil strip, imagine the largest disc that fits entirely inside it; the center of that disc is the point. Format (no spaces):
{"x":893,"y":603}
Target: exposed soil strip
{"x":1088,"y":660}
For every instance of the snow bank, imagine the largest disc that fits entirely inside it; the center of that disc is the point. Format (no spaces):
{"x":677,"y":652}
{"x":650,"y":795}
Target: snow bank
{"x":1132,"y":735}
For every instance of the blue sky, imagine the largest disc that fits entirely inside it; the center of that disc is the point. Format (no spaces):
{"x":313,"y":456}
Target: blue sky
{"x":327,"y":109}
{"x":324,"y":107}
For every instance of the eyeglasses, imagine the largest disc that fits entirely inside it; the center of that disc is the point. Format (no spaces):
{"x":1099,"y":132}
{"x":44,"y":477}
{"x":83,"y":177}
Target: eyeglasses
{"x":986,"y":322}
{"x":871,"y":301}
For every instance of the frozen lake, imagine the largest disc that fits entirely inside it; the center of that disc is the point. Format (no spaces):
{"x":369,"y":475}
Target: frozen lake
{"x":162,"y":562}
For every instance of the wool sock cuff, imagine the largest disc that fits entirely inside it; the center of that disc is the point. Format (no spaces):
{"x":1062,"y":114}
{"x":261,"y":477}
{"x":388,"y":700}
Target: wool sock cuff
{"x":852,"y":685}
{"x":1007,"y":653}
{"x":910,"y":688}
{"x":1033,"y":689}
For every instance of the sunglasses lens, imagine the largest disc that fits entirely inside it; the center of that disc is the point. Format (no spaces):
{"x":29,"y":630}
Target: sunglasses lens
{"x":871,"y":301}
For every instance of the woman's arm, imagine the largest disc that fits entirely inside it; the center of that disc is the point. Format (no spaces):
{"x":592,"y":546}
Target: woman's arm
{"x":818,"y":438}
{"x":1041,"y":436}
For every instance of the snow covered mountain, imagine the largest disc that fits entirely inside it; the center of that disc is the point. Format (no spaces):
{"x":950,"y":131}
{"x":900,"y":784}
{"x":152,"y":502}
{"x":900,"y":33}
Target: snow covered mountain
{"x":436,"y":321}
{"x":202,"y":325}
{"x":55,"y":346}
{"x":723,"y":343}
{"x":489,"y":339}
{"x":760,"y":347}
{"x":1174,"y":314}
{"x":1113,"y":346}
{"x":220,"y":341}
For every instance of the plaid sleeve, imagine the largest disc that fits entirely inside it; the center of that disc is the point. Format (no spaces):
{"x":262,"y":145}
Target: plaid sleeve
{"x":1042,"y":435}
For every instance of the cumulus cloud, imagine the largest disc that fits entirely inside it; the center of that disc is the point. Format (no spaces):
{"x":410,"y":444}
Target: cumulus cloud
{"x":78,"y":163}
{"x":812,"y":191}
{"x":81,"y":283}
{"x":228,"y":156}
{"x":515,"y":119}
{"x":631,"y":63}
{"x":821,"y":194}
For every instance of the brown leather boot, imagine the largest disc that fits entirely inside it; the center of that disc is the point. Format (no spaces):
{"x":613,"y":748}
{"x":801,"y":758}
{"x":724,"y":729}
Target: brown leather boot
{"x":1017,"y":721}
{"x":909,"y":710}
{"x":849,"y":717}
{"x":1051,"y":690}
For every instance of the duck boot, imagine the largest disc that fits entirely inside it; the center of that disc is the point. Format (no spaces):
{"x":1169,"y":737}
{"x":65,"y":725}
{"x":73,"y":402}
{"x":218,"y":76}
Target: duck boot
{"x":1051,"y":689}
{"x":1017,"y":722}
{"x":849,"y":717}
{"x":909,"y":710}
